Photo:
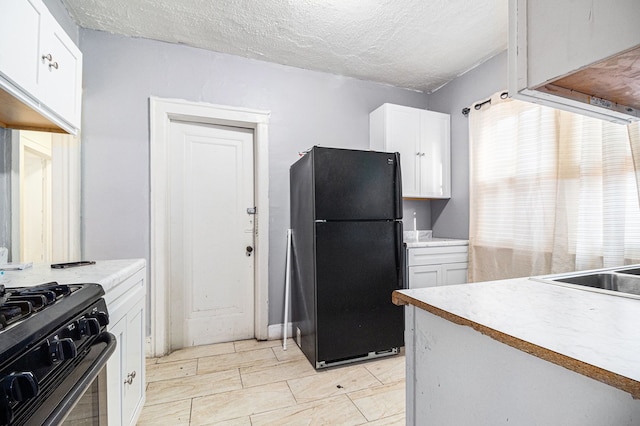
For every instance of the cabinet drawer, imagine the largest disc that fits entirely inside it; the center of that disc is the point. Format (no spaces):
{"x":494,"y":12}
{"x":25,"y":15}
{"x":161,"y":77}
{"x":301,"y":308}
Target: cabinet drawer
{"x":437,"y":255}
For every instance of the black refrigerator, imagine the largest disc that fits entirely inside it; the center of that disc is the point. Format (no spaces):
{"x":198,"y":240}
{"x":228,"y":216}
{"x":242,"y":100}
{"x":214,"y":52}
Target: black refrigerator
{"x":347,"y":255}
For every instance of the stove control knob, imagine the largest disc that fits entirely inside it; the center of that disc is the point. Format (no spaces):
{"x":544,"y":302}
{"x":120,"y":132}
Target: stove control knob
{"x":14,"y":388}
{"x":61,"y":349}
{"x":87,"y":327}
{"x":93,"y":326}
{"x":102,"y":317}
{"x":19,"y":386}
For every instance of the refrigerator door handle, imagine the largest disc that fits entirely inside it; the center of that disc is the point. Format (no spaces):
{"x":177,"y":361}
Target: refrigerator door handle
{"x":398,"y":187}
{"x":399,"y":255}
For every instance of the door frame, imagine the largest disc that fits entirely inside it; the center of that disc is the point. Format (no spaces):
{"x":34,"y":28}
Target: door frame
{"x":162,"y":111}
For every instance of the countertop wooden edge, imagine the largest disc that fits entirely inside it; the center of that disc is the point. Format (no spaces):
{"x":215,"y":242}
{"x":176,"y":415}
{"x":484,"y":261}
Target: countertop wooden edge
{"x":618,"y":381}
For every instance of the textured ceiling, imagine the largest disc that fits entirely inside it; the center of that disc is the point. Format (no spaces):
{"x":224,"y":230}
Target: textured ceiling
{"x":415,"y":44}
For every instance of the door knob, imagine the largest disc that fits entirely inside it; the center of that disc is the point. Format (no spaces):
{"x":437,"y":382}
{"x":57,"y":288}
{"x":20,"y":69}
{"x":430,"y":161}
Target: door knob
{"x":249,"y":250}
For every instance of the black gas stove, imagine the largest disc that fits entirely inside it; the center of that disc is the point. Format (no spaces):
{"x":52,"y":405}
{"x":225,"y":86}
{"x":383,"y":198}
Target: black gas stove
{"x":53,"y":344}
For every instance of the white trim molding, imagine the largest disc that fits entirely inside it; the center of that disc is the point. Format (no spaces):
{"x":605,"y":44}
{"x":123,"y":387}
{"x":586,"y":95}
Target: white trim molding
{"x":162,"y":112}
{"x":66,"y":190}
{"x":276,"y":331}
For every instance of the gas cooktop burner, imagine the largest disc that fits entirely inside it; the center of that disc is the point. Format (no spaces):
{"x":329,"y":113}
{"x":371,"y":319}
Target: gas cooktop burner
{"x":19,"y":303}
{"x":53,"y":342}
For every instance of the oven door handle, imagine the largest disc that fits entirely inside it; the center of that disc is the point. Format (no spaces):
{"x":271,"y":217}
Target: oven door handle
{"x":74,"y":394}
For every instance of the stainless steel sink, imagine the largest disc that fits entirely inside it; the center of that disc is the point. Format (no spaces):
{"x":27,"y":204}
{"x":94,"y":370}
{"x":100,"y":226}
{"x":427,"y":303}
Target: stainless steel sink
{"x":632,"y":271}
{"x":607,"y":281}
{"x":623,"y":282}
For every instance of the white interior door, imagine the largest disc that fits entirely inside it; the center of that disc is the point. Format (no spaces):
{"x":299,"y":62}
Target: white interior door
{"x":211,"y":234}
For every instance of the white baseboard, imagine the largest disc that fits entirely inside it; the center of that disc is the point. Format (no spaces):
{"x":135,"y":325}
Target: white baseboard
{"x":148,"y":349}
{"x":275,"y":331}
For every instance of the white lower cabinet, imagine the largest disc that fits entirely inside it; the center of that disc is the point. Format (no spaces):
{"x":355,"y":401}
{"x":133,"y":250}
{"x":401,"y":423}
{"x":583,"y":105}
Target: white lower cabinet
{"x":437,"y":265}
{"x":125,"y":369}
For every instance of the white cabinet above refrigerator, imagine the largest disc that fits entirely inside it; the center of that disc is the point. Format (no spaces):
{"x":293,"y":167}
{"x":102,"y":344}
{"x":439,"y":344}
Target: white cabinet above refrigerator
{"x":423,"y":140}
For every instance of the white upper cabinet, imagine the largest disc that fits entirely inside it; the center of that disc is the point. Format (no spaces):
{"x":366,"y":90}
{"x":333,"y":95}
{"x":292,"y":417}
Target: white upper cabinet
{"x":61,"y":74}
{"x":580,"y":56}
{"x":40,"y":70}
{"x":423,"y":140}
{"x":20,"y":23}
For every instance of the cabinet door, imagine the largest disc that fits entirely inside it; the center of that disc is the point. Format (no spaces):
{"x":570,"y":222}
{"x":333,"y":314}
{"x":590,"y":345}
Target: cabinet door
{"x":115,"y":373}
{"x":20,"y":23}
{"x":435,"y":155}
{"x":403,"y":136}
{"x":454,"y":273}
{"x":425,"y":276}
{"x":61,"y":72}
{"x":423,"y":140}
{"x":125,"y":369}
{"x":576,"y":34}
{"x":133,"y":380}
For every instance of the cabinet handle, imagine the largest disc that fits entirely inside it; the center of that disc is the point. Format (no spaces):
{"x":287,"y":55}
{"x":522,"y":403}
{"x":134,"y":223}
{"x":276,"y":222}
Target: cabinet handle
{"x":422,"y":154}
{"x":130,"y":378}
{"x":418,"y":154}
{"x":47,"y":57}
{"x":53,"y":65}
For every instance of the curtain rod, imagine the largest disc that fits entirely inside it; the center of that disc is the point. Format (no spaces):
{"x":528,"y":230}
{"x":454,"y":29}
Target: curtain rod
{"x":465,"y":111}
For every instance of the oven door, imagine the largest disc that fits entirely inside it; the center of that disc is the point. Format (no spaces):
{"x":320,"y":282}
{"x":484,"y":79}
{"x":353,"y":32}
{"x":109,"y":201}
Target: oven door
{"x":81,"y":398}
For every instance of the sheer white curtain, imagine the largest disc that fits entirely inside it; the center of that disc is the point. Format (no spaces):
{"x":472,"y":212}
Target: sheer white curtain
{"x":550,"y":191}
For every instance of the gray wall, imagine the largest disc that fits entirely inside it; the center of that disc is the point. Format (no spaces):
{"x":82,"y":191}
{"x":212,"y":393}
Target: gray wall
{"x":450,"y":218}
{"x":422,"y":208}
{"x":307,"y":108}
{"x":120,"y":74}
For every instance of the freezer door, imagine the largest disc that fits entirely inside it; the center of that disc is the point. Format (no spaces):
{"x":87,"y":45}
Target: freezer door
{"x":358,"y":266}
{"x":356,"y":185}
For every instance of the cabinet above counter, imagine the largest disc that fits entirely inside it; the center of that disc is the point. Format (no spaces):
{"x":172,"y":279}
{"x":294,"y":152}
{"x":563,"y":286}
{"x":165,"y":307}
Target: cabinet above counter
{"x":577,"y":56}
{"x":423,"y":140}
{"x":40,"y":70}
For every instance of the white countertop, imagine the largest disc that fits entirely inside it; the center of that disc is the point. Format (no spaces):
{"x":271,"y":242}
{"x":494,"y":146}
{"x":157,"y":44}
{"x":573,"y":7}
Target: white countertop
{"x":107,"y":273}
{"x":594,"y":334}
{"x":436,"y":242}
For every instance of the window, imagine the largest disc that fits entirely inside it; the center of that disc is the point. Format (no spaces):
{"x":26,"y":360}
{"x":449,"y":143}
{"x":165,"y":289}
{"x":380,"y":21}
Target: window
{"x":550,"y":191}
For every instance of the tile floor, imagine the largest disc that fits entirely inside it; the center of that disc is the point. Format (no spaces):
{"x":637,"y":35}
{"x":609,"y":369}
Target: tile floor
{"x":258,"y":383}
